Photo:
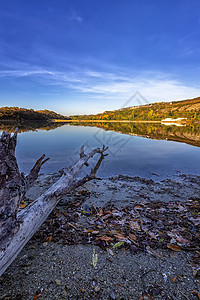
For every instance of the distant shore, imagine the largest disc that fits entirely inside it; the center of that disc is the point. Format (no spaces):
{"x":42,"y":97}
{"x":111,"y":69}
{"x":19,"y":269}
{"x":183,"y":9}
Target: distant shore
{"x":103,"y":121}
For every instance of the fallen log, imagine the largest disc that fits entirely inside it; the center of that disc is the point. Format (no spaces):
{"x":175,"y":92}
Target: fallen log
{"x":17,"y":227}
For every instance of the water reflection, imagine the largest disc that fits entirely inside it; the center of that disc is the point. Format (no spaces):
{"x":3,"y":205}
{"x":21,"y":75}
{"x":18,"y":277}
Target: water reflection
{"x":28,"y":126}
{"x":189,"y":134}
{"x":129,"y":153}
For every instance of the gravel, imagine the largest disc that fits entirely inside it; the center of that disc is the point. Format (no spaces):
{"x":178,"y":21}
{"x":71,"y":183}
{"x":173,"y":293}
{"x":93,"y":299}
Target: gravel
{"x":47,"y":270}
{"x":67,"y":272}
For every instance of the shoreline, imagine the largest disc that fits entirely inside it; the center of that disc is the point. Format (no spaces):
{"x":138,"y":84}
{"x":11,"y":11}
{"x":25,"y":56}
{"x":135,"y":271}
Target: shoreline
{"x":103,"y":121}
{"x":57,"y":269}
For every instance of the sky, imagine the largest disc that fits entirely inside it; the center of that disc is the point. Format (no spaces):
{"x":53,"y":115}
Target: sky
{"x":88,"y":56}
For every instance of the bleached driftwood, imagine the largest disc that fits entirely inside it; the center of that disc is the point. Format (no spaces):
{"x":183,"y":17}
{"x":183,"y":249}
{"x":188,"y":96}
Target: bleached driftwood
{"x":16,"y":228}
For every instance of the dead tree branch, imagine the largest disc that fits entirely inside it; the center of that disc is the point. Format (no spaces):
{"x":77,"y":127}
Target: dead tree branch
{"x":16,"y":229}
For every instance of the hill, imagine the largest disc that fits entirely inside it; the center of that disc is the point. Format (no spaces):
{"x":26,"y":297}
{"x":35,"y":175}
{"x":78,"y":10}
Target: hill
{"x":23,"y":114}
{"x":189,"y":109}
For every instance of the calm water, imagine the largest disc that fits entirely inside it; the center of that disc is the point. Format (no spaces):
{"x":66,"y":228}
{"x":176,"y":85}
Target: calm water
{"x":131,"y":155}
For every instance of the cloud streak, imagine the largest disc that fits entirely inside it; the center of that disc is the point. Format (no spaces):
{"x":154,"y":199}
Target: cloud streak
{"x":75,"y":16}
{"x":110,"y":86}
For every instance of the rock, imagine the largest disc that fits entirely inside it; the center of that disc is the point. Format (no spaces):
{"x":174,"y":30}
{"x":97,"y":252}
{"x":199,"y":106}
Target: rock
{"x":75,"y":216}
{"x":196,"y":273}
{"x":133,"y":248}
{"x":112,"y":295}
{"x":101,"y":278}
{"x":58,"y":281}
{"x":5,"y":297}
{"x":97,"y":289}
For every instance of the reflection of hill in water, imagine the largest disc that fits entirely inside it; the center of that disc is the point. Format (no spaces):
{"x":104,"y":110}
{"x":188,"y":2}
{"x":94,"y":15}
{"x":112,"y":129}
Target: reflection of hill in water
{"x":189,"y":134}
{"x":28,"y":126}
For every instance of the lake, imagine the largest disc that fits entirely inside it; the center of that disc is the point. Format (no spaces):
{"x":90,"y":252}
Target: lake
{"x":134,"y":153}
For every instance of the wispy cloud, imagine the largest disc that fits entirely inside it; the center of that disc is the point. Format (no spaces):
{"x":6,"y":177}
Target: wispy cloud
{"x":74,"y":16}
{"x":110,"y":86}
{"x":21,"y":73}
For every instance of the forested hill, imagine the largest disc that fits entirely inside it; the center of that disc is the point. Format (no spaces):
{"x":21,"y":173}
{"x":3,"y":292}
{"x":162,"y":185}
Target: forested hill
{"x":189,"y":109}
{"x":23,"y":114}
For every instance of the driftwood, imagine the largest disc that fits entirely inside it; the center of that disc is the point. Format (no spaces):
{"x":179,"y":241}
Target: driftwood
{"x":16,"y":228}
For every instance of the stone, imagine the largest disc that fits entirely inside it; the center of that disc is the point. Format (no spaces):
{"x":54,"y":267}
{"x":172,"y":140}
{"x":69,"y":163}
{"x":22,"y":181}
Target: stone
{"x":58,"y":281}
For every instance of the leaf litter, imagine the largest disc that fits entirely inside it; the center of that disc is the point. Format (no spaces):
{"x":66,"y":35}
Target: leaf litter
{"x":175,"y":226}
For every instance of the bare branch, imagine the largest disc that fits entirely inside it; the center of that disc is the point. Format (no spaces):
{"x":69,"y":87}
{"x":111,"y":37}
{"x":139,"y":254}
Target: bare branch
{"x":17,"y":229}
{"x":33,"y":175}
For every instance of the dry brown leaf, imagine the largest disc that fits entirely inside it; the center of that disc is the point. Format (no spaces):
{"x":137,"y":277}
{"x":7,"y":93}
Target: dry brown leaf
{"x":113,"y":232}
{"x":135,"y":226}
{"x":106,"y":217}
{"x":120,"y":237}
{"x":146,"y":297}
{"x":195,"y":293}
{"x":95,"y":231}
{"x":58,"y":214}
{"x":174,"y":247}
{"x":107,"y":212}
{"x":105,"y":238}
{"x":36,"y":296}
{"x":138,"y":207}
{"x":182,"y":240}
{"x":133,"y":236}
{"x":152,"y":235}
{"x":101,"y":212}
{"x":49,"y":238}
{"x":174,"y":279}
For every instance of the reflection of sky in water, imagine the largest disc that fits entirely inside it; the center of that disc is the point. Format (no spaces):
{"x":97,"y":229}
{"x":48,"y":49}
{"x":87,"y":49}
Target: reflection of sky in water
{"x":129,"y":155}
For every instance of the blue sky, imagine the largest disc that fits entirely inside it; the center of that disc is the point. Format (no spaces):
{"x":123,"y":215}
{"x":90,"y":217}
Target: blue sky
{"x":88,"y":56}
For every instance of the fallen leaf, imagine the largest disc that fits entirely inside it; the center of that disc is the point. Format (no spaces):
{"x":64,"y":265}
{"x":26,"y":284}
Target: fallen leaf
{"x":152,"y":235}
{"x":174,"y":247}
{"x":106,"y":217}
{"x":195,"y":293}
{"x":134,"y":225}
{"x":22,"y":205}
{"x":182,"y":240}
{"x":94,"y":259}
{"x":107,"y":212}
{"x":83,"y":191}
{"x":132,"y":236}
{"x":36,"y":296}
{"x":154,"y":252}
{"x":174,"y":279}
{"x":113,"y":232}
{"x":89,"y":231}
{"x":196,"y":273}
{"x":118,"y":244}
{"x":49,"y":238}
{"x":146,"y":297}
{"x":58,"y":214}
{"x":119,"y":236}
{"x":69,"y":224}
{"x":138,"y":207}
{"x":95,"y":232}
{"x":101,"y":212}
{"x":105,"y":238}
